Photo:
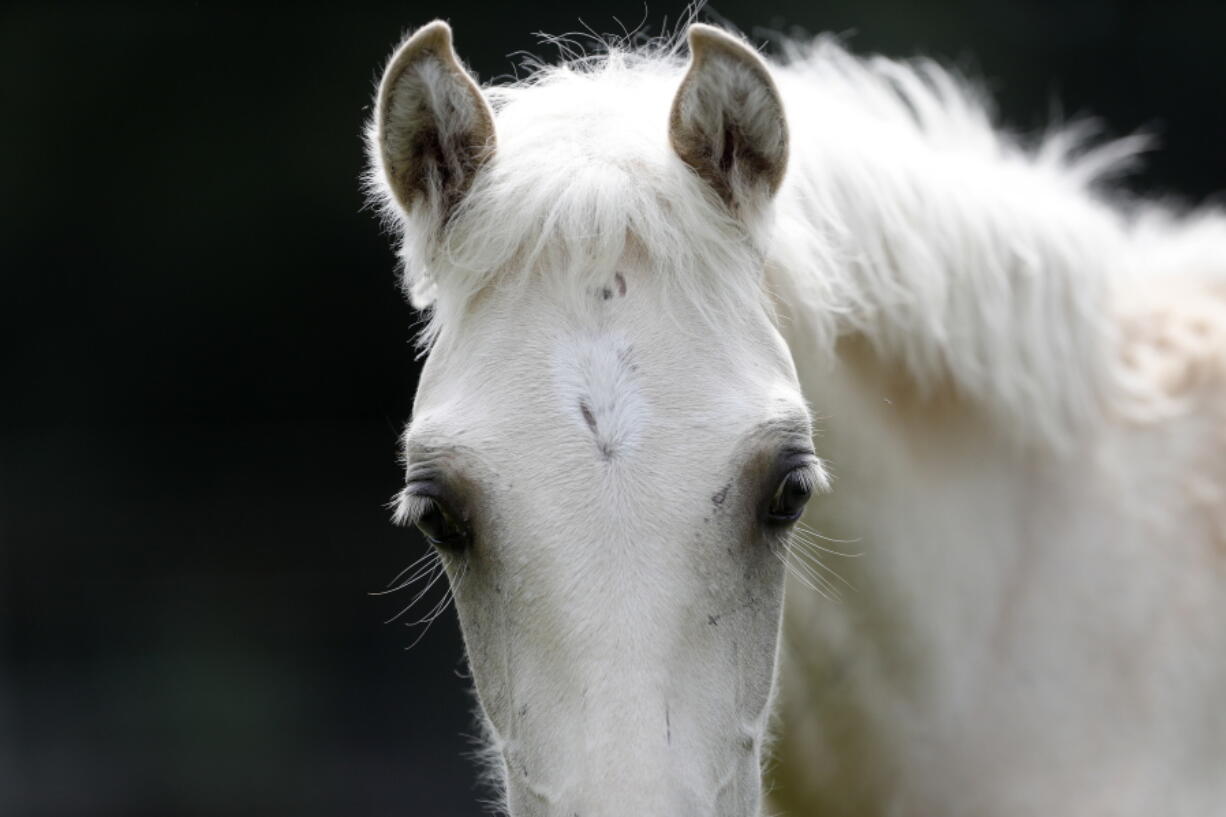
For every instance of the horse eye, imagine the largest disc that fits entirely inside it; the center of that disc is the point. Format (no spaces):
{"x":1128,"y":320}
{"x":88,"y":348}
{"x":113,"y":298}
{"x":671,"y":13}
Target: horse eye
{"x":441,"y":528}
{"x":790,"y":497}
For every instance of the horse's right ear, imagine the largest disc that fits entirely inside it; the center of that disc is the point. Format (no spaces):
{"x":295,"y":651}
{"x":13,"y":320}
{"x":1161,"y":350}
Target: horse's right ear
{"x":432,"y":128}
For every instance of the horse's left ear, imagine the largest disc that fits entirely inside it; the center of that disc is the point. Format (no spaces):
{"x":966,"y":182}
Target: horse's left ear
{"x":433,"y":129}
{"x":727,"y":120}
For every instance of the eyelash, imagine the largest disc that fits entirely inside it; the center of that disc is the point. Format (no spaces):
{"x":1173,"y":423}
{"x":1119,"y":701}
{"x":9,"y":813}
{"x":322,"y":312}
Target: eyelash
{"x":421,"y":506}
{"x":411,"y":507}
{"x":802,"y":471}
{"x":813,"y":474}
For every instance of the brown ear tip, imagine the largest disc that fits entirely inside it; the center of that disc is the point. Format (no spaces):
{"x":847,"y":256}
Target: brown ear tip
{"x":433,"y":36}
{"x":698,"y":31}
{"x":705,"y":39}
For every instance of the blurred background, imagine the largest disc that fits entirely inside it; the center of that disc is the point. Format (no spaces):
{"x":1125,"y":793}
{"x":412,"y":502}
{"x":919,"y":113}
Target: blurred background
{"x":206,"y":364}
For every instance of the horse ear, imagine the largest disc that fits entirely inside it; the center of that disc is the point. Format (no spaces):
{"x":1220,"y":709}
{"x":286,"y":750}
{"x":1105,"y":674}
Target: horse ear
{"x":432,"y":128}
{"x":727,"y":120}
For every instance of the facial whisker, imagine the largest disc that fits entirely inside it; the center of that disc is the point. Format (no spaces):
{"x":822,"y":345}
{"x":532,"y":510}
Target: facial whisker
{"x":434,"y":612}
{"x":808,"y":542}
{"x":816,"y":582}
{"x":814,"y":560}
{"x":429,"y":620}
{"x":421,"y":593}
{"x":801,"y":578}
{"x":818,"y":577}
{"x":806,"y":555}
{"x":803,"y":528}
{"x":422,"y":571}
{"x":438,"y":574}
{"x":437,"y":610}
{"x":429,"y":555}
{"x":809,"y":578}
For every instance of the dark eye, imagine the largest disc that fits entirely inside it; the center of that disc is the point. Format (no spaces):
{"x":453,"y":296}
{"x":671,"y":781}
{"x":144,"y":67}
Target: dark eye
{"x":441,"y":527}
{"x":789,"y":499}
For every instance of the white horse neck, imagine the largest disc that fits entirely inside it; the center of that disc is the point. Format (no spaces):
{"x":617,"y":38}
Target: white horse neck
{"x":1031,"y":632}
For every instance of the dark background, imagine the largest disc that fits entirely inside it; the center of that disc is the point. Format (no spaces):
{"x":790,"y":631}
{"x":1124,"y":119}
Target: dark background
{"x":206,"y":362}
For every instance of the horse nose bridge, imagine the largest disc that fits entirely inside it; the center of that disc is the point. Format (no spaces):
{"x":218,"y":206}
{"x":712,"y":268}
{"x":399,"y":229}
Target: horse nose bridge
{"x":621,"y":604}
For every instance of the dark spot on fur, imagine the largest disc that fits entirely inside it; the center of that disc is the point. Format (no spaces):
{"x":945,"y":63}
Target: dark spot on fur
{"x":721,"y":495}
{"x":606,"y":294}
{"x":713,"y":620}
{"x":588,"y":417}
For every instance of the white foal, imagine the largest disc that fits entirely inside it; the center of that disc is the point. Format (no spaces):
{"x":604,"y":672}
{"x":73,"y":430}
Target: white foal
{"x":1020,"y":391}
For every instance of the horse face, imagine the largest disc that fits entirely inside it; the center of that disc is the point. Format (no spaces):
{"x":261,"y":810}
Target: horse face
{"x":609,"y":471}
{"x":611,"y":498}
